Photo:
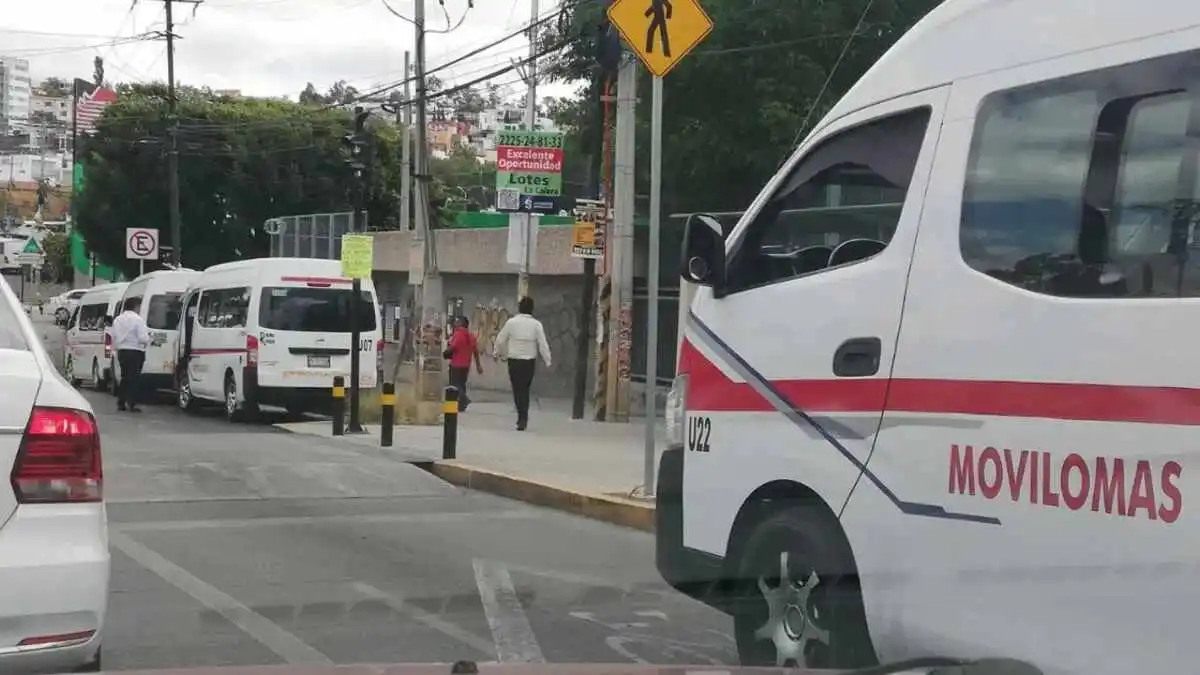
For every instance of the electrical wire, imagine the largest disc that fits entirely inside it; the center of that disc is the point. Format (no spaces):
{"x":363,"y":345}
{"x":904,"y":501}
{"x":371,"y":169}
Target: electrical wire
{"x":828,"y":79}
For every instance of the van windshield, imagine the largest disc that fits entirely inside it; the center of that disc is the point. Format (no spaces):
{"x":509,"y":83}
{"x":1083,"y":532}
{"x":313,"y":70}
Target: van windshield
{"x":163,"y":311}
{"x":313,"y":310}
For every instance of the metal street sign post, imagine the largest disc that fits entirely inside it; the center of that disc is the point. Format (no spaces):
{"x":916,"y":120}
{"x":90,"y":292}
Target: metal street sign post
{"x":358,"y":251}
{"x":661,"y":33}
{"x":141,"y":244}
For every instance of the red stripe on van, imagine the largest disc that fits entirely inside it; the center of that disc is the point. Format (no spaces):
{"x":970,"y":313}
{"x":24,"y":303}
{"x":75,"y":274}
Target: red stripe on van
{"x":219,"y":350}
{"x":316,"y":280}
{"x":711,"y":390}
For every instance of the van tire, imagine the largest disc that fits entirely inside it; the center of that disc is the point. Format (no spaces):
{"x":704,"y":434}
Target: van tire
{"x":233,"y":411}
{"x":810,"y":544}
{"x":69,"y":367}
{"x":183,"y":393}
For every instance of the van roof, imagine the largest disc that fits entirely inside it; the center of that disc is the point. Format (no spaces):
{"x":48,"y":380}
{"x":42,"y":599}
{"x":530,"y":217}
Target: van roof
{"x":963,"y":38}
{"x":275,"y":267}
{"x":107,"y":288}
{"x":158,"y":274}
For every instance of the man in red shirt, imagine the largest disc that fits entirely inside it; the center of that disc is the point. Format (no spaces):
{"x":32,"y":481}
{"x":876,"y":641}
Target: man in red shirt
{"x":463,"y":348}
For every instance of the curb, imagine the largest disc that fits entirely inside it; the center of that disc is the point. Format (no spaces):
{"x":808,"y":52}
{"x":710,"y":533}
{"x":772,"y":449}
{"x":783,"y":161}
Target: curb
{"x":606,"y":508}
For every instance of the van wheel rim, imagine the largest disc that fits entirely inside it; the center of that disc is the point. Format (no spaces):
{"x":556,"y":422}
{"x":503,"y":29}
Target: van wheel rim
{"x":230,"y":398}
{"x":95,"y":375}
{"x":794,"y":620}
{"x":185,"y":392}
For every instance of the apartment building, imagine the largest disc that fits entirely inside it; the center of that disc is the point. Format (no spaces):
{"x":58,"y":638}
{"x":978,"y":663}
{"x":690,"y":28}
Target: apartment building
{"x":56,"y":108}
{"x":15,"y":92}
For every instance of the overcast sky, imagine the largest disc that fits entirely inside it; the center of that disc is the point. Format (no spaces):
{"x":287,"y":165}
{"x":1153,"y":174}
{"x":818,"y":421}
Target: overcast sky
{"x":264,"y":47}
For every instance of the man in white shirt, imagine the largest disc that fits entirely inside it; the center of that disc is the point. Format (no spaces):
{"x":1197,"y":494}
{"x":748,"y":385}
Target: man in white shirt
{"x":520,"y":341}
{"x":130,"y":338}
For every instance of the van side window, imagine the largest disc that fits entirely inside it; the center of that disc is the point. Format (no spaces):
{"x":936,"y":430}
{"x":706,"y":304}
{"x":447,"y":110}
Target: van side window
{"x":224,"y":307}
{"x":1087,"y":186}
{"x":840,"y":205}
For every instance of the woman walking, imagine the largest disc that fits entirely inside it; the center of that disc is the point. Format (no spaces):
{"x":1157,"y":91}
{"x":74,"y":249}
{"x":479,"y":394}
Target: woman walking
{"x":521,"y":340}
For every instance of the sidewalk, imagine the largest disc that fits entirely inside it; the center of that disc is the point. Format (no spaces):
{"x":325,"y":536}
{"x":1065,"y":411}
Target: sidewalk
{"x":588,"y":468}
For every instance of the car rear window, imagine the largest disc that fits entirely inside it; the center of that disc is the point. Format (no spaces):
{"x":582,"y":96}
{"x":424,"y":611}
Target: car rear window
{"x":313,"y":310}
{"x":163,"y":311}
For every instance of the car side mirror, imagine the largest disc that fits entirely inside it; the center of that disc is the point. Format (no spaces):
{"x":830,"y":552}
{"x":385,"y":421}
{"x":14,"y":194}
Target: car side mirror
{"x":703,"y":259}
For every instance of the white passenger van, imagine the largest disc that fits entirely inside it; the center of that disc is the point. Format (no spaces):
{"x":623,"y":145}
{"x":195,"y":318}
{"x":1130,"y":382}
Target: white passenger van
{"x":272,"y":331}
{"x":937,"y":394}
{"x":89,"y":352}
{"x":161,"y":293}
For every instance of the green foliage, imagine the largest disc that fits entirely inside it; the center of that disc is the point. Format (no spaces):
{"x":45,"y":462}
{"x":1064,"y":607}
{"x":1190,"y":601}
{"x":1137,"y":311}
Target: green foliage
{"x":56,"y":246}
{"x":732,"y":110}
{"x":240,"y":163}
{"x":56,"y":86}
{"x":461,"y":182}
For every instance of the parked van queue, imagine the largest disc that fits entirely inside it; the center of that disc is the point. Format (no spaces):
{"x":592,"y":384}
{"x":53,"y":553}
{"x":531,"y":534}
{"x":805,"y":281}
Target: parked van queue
{"x":262,"y":332}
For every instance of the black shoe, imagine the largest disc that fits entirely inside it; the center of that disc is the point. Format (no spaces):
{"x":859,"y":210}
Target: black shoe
{"x":521,"y":426}
{"x":133,"y":409}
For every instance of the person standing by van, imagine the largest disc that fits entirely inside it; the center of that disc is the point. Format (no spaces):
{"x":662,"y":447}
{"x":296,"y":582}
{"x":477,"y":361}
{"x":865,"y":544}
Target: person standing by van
{"x":463,"y":348}
{"x":130,"y":338}
{"x":520,"y":341}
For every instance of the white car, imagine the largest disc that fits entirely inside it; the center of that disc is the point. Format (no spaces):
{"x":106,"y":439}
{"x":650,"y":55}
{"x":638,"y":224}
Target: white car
{"x":62,"y":305}
{"x":54,"y":560}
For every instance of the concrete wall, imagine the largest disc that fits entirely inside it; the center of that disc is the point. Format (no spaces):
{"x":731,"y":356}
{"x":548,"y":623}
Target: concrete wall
{"x":489,"y":299}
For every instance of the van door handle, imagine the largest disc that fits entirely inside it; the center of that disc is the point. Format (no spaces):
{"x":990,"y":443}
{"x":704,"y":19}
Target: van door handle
{"x":858,"y":357}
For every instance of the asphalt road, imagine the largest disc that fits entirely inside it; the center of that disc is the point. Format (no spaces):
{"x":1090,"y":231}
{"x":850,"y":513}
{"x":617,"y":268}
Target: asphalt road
{"x":242,"y":544}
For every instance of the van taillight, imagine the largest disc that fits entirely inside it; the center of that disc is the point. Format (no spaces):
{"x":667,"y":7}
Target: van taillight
{"x":108,"y":346}
{"x":251,"y":350}
{"x":59,"y":459}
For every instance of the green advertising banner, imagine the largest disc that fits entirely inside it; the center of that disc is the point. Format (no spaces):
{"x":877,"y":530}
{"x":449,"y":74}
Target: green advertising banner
{"x":528,"y":163}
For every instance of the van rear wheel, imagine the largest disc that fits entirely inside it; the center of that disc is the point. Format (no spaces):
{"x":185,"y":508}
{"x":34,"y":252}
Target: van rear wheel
{"x":798,"y":602}
{"x":98,"y":382}
{"x":183,"y":390}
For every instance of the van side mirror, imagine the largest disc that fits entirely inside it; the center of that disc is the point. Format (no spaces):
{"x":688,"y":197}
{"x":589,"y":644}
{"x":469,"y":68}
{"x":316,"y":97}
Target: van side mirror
{"x":703,"y":259}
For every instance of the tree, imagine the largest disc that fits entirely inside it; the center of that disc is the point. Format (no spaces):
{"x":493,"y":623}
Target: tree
{"x":98,"y":71}
{"x":56,"y":87}
{"x":340,"y":92}
{"x":461,"y":182}
{"x":734,"y":107}
{"x":241,"y":162}
{"x":56,"y":247}
{"x":310,"y":95}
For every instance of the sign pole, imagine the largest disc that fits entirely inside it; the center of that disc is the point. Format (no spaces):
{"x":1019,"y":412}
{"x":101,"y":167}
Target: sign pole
{"x":355,"y":339}
{"x":651,"y":395}
{"x":141,"y":266}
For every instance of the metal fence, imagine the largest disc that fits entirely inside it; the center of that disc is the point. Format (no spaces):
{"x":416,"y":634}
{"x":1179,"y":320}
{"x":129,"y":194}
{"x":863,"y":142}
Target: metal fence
{"x":314,"y":235}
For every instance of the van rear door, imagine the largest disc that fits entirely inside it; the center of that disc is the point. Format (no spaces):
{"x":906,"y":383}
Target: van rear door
{"x":304,"y":333}
{"x":162,"y":318}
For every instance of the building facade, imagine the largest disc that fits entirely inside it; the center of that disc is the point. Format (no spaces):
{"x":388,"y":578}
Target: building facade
{"x":15,"y":93}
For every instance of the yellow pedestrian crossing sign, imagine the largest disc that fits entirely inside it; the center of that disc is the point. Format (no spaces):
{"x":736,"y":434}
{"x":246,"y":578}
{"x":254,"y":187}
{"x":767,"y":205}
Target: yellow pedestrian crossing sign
{"x":660,"y":32}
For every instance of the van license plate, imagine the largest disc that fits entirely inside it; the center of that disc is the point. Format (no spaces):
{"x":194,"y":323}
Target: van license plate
{"x":318,"y":362}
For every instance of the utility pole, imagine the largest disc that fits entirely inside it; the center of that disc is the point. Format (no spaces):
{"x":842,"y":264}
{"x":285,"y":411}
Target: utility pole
{"x":529,"y":220}
{"x":620,"y":331}
{"x":173,"y":133}
{"x":356,"y":140}
{"x":587,"y":305}
{"x":404,"y":120}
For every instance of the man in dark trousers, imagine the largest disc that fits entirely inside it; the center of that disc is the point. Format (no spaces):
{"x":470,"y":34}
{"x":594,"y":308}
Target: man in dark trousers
{"x":130,"y":338}
{"x":462,"y":349}
{"x":521,"y":340}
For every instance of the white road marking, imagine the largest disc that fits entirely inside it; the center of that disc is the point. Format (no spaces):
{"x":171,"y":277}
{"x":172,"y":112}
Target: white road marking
{"x":289,"y":647}
{"x":514,"y":638}
{"x":280,"y":521}
{"x":397,"y":604}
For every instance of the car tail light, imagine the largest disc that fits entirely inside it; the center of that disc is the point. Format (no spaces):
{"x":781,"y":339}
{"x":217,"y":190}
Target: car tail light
{"x":108,"y":346}
{"x":251,"y":350}
{"x":59,"y":459}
